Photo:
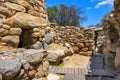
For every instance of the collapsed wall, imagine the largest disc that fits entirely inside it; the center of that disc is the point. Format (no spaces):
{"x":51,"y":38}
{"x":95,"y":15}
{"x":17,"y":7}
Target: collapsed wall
{"x":112,"y":33}
{"x":22,"y":22}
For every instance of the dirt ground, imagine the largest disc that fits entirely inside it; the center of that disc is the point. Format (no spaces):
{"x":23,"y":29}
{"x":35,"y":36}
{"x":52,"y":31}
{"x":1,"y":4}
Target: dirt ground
{"x":76,"y":61}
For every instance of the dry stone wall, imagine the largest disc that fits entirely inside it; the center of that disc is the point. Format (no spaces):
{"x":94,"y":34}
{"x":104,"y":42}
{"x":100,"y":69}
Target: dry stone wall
{"x":22,"y":21}
{"x":112,"y":32}
{"x":81,"y":40}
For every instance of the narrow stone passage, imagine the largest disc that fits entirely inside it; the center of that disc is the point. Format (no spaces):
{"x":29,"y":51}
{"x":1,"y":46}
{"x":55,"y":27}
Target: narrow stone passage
{"x":95,"y":71}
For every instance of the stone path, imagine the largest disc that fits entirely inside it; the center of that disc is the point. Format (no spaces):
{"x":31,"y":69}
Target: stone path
{"x":97,"y":62}
{"x":95,"y":71}
{"x":60,"y":70}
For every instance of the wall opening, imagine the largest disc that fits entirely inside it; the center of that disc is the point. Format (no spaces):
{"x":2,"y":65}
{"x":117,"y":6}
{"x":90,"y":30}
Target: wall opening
{"x":25,"y":39}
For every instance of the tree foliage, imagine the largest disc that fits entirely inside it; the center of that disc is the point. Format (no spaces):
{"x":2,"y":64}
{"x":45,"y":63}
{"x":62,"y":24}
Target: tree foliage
{"x":66,"y":15}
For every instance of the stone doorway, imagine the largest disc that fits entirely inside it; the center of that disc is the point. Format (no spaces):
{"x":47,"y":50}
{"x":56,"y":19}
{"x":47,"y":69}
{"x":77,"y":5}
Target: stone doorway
{"x":25,"y":39}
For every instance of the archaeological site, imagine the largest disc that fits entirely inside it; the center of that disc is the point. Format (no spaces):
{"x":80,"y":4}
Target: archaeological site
{"x":34,"y":48}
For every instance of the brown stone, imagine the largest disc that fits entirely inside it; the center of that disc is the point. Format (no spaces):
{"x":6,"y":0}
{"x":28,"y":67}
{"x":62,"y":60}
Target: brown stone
{"x":5,"y":11}
{"x":84,"y":49}
{"x":15,"y":7}
{"x":15,"y":31}
{"x":88,"y":53}
{"x":3,"y":32}
{"x":25,"y":21}
{"x":80,"y":45}
{"x":31,"y":74}
{"x":75,"y":49}
{"x":117,"y":59}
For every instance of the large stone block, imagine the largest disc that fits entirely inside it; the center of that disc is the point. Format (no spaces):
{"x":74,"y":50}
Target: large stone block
{"x":15,"y":7}
{"x":25,"y":21}
{"x":9,"y":68}
{"x":15,"y":31}
{"x":13,"y":40}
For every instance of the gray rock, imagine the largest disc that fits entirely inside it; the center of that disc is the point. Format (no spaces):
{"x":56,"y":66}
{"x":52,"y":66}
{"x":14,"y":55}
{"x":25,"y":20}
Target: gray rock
{"x":11,"y":40}
{"x":45,"y":46}
{"x":25,"y":64}
{"x":34,"y":56}
{"x":9,"y":68}
{"x":37,"y":45}
{"x":56,"y":56}
{"x":49,"y":38}
{"x":109,"y":60}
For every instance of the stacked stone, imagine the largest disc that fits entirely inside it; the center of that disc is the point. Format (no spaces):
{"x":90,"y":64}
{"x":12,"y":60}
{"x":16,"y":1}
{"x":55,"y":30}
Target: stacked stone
{"x":25,"y":18}
{"x":23,"y":64}
{"x":112,"y":32}
{"x":81,"y":40}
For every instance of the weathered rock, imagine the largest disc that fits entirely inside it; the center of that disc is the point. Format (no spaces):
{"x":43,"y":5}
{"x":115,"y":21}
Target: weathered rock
{"x":6,"y":27}
{"x":45,"y":45}
{"x":109,"y":60}
{"x":117,"y":59}
{"x":88,"y":53}
{"x":76,"y":49}
{"x":5,"y":11}
{"x":34,"y":56}
{"x":42,"y":70}
{"x":14,"y":40}
{"x":22,"y":3}
{"x":4,"y":32}
{"x":80,"y":45}
{"x":15,"y":31}
{"x":37,"y":45}
{"x":15,"y":7}
{"x":25,"y":64}
{"x":25,"y":21}
{"x":31,"y":74}
{"x":85,"y":49}
{"x":9,"y":68}
{"x":56,"y":56}
{"x":49,"y":38}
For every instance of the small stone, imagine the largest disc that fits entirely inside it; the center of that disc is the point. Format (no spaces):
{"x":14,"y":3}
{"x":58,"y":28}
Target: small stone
{"x":80,"y":45}
{"x":53,"y":77}
{"x":15,"y":31}
{"x":31,"y":74}
{"x":37,"y":45}
{"x":84,"y":49}
{"x":25,"y":64}
{"x":49,"y":38}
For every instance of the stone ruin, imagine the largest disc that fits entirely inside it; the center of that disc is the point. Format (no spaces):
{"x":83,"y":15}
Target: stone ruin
{"x":22,"y":22}
{"x":24,"y":26}
{"x":112,"y":33}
